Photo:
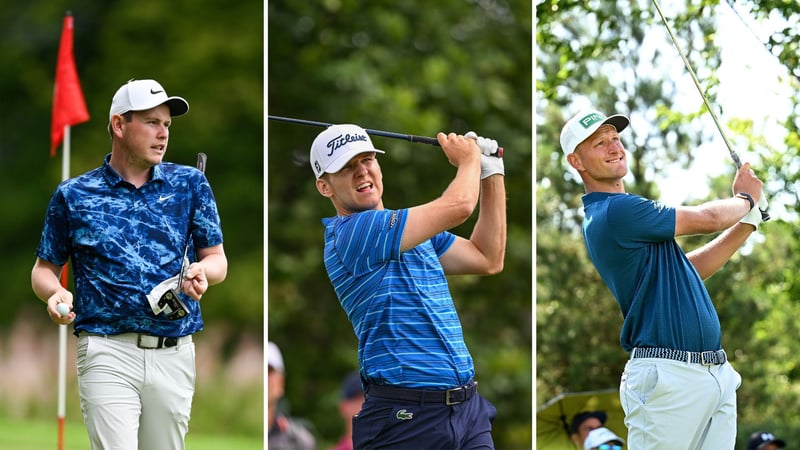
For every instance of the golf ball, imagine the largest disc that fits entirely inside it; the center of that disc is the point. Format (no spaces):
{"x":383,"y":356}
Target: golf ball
{"x":62,"y":309}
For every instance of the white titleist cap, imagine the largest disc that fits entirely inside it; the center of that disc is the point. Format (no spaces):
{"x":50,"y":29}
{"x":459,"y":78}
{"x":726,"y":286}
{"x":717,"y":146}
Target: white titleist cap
{"x":338,"y":144}
{"x":600,"y":436}
{"x":141,"y":95}
{"x":586,"y":122}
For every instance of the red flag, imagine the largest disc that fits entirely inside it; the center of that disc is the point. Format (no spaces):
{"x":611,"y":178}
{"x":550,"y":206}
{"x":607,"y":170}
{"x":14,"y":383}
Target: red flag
{"x":69,"y":107}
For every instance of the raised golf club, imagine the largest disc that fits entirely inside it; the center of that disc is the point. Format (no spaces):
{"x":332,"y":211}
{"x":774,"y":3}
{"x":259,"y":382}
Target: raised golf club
{"x":389,"y":134}
{"x":734,"y":156}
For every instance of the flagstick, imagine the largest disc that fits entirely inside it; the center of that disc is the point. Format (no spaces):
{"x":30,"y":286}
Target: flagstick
{"x":62,"y":329}
{"x":69,"y":108}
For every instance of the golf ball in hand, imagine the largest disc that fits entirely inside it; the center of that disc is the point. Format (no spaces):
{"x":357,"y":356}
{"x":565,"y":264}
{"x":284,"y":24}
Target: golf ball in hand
{"x":62,"y":309}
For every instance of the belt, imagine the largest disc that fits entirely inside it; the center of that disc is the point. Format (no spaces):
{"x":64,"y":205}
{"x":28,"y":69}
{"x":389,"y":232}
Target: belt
{"x":709,"y":358}
{"x":449,"y":397}
{"x":146,"y":340}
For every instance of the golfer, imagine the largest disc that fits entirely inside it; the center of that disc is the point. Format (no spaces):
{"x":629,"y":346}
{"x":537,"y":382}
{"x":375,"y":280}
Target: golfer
{"x":388,"y":269}
{"x":125,"y":226}
{"x":678,"y":389}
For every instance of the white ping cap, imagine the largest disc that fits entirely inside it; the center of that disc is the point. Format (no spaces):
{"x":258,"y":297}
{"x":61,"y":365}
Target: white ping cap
{"x":586,"y":122}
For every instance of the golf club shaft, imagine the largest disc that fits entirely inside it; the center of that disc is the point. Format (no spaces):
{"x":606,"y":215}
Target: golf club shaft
{"x":201,"y":165}
{"x":731,"y":151}
{"x":389,"y":134}
{"x":686,"y":63}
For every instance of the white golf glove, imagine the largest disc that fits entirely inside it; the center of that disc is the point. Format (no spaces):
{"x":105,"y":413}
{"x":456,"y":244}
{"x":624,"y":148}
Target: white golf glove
{"x":754,"y":216}
{"x":762,"y":202}
{"x":490,"y":165}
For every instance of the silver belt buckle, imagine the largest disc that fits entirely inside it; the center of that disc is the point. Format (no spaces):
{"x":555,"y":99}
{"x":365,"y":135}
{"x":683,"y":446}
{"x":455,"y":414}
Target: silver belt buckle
{"x":465,"y":388}
{"x":447,"y":393}
{"x":709,"y":358}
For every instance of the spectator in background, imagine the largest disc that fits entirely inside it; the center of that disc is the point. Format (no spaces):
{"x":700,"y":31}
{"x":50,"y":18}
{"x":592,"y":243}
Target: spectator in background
{"x":284,"y":433}
{"x":603,"y":439}
{"x":584,"y":422}
{"x":350,"y":401}
{"x":762,"y":440}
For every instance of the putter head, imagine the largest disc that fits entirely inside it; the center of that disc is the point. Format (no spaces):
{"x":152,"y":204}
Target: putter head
{"x":172,"y":305}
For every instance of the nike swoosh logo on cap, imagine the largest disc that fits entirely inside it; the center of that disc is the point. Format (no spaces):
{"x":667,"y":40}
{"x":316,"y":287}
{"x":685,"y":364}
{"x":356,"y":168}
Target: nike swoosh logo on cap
{"x":155,"y":92}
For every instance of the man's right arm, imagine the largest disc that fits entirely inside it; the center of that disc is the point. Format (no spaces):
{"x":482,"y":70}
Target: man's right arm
{"x":457,"y":202}
{"x":719,"y":215}
{"x":47,"y":287}
{"x":710,"y":217}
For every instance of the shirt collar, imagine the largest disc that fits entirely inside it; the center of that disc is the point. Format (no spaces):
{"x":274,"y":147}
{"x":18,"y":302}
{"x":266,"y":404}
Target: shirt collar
{"x":113,"y":178}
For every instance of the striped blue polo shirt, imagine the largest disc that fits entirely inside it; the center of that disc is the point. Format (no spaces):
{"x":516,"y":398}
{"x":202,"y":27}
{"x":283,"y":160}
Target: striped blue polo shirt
{"x":123,"y":241}
{"x":409,"y":334}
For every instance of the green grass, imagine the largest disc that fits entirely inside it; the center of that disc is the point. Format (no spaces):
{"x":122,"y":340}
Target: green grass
{"x":42,"y":435}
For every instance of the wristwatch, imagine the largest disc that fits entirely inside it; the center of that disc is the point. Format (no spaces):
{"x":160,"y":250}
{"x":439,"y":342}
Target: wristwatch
{"x":747,"y":197}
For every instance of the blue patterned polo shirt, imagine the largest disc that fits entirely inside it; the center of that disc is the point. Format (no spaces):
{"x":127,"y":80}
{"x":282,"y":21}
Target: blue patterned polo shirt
{"x":123,"y":241}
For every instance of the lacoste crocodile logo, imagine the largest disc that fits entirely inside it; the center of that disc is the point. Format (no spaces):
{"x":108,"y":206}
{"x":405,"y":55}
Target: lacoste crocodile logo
{"x":404,"y":415}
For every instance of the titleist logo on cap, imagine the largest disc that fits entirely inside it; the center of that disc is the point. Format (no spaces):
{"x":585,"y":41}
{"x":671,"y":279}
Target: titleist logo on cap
{"x":344,"y":139}
{"x":590,"y":119}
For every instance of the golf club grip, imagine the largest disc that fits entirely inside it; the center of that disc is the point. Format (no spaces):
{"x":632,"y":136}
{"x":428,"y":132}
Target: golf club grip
{"x":201,"y":162}
{"x":419,"y":139}
{"x":736,"y":160}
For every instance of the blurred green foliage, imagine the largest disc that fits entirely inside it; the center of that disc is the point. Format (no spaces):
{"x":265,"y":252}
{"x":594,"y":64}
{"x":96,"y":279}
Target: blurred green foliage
{"x":410,"y":67}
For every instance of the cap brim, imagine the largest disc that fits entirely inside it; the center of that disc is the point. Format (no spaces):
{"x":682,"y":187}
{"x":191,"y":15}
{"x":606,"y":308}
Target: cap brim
{"x":177,"y":106}
{"x":619,"y":122}
{"x":342,"y":161}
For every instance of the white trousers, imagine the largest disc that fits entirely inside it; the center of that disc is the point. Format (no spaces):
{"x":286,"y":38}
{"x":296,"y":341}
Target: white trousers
{"x":678,"y":405}
{"x":134,"y":398}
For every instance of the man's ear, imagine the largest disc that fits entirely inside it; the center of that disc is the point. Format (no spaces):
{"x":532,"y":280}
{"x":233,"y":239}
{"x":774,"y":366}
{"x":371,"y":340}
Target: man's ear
{"x":575,"y":161}
{"x":116,"y":124}
{"x":323,"y":187}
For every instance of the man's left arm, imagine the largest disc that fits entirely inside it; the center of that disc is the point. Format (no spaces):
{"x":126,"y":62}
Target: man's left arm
{"x":210,"y":268}
{"x":484,"y":252}
{"x":712,"y":256}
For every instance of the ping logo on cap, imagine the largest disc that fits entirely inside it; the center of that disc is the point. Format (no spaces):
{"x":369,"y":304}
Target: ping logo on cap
{"x":344,"y":139}
{"x":590,"y":119}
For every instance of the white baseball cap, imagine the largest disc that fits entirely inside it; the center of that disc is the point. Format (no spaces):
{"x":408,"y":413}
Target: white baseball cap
{"x":586,"y":122}
{"x":338,"y":144}
{"x":274,"y":357}
{"x":600,"y":436}
{"x":141,"y":95}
